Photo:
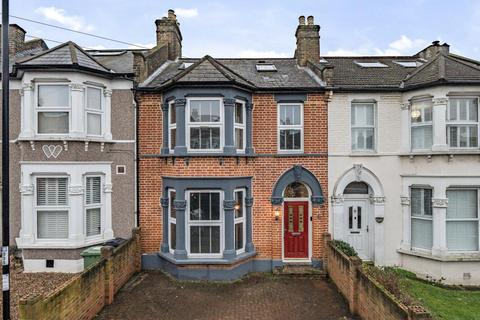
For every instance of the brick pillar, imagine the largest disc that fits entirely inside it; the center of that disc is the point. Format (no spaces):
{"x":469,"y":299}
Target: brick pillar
{"x":327,"y":238}
{"x":355,"y":263}
{"x":137,"y":250}
{"x":31,"y":307}
{"x":107,"y":254}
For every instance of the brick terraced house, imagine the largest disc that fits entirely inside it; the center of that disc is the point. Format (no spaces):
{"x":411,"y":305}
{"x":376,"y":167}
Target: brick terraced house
{"x":232,"y":158}
{"x":72,"y":149}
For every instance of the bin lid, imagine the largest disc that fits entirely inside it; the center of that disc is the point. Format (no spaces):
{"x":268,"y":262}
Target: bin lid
{"x":92,"y":251}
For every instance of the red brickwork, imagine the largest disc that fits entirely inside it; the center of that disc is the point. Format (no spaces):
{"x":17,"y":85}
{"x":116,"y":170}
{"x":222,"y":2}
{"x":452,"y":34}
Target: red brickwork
{"x":265,"y":170}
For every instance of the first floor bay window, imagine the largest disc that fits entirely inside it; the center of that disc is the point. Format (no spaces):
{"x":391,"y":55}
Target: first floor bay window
{"x":421,"y":125}
{"x":462,"y":220}
{"x":93,"y":206}
{"x":205,"y":221}
{"x":462,"y":122}
{"x":52,"y":207}
{"x":421,"y":215}
{"x":53,"y":109}
{"x":204,"y":124}
{"x":94,"y":111}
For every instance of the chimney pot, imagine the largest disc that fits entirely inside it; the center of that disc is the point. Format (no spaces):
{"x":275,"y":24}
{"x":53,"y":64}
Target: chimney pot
{"x":172,"y":15}
{"x":301,"y":20}
{"x":310,"y":20}
{"x":436,"y":43}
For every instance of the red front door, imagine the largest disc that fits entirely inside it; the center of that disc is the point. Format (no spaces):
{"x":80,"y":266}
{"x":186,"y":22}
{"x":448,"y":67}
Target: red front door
{"x":295,"y":229}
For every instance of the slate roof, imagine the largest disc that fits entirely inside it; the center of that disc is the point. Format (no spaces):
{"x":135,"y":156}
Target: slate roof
{"x":241,"y":72}
{"x":67,"y":54}
{"x":118,"y":60}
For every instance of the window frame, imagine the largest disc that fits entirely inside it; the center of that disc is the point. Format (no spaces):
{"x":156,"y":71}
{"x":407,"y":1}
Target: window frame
{"x":240,"y":220}
{"x":281,"y":127}
{"x":421,"y":124}
{"x":242,"y":126}
{"x":52,"y":109}
{"x":189,"y":124}
{"x":171,"y":126}
{"x":374,"y":126}
{"x":38,"y":208}
{"x":94,"y":206}
{"x":423,"y":217}
{"x":100,"y":112}
{"x":171,"y":220}
{"x":220,"y":223}
{"x":462,"y":123}
{"x":464,"y":220}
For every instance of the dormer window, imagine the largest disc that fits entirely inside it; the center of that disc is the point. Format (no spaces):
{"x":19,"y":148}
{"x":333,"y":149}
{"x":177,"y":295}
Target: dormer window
{"x":53,"y":109}
{"x":262,"y":67}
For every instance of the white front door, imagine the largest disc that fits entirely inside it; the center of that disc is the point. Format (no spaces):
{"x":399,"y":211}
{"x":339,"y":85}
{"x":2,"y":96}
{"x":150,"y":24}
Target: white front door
{"x":357,"y":227}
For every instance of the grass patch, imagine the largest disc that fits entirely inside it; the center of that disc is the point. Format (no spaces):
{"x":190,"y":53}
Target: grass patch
{"x":443,"y":303}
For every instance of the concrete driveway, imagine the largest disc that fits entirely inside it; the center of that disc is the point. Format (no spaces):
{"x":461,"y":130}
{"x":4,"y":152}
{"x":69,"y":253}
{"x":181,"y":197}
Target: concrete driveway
{"x":153,"y":295}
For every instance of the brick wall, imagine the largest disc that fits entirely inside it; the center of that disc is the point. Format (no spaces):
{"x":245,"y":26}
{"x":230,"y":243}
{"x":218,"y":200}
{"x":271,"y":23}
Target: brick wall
{"x":366,"y":297}
{"x":86,"y":294}
{"x":265,"y":170}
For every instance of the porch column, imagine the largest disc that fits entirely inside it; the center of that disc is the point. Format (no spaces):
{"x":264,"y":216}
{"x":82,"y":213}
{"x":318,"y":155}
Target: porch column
{"x":180,"y":147}
{"x":379,"y":248}
{"x":248,"y":220}
{"x":180,"y":207}
{"x":439,"y":247}
{"x":229,"y":106}
{"x":229,"y":211}
{"x":339,"y":227}
{"x":164,"y":201}
{"x":406,"y":232}
{"x":165,"y":148}
{"x":439,"y":124}
{"x":249,"y":127}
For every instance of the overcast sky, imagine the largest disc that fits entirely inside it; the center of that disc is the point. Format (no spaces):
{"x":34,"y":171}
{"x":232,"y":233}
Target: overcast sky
{"x":264,"y":28}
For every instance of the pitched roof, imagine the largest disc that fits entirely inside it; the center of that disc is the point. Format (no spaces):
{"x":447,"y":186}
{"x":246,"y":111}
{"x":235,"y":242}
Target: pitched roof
{"x":118,"y":60}
{"x":241,"y":72}
{"x":64,"y":55}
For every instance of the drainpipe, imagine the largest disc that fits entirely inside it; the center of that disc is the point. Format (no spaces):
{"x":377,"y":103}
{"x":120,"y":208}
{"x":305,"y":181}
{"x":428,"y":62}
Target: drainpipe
{"x":137,"y":184}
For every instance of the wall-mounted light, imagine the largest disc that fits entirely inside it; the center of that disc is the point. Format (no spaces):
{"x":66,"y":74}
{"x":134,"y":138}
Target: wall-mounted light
{"x":416,"y":114}
{"x":276,"y":213}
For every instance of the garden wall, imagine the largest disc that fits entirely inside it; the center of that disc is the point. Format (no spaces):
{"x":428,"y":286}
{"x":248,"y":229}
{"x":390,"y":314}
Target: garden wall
{"x":86,"y":294}
{"x":365,"y":296}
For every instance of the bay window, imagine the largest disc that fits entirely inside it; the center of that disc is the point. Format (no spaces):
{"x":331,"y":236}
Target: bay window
{"x":93,"y":206}
{"x":94,"y":111}
{"x":462,"y":220}
{"x":240,"y":131}
{"x":462,"y":122}
{"x":172,"y":125}
{"x":172,"y":221}
{"x":421,"y":125}
{"x":52,"y":207}
{"x":204,"y":124}
{"x":290,"y":127}
{"x":53,"y":109}
{"x":421,"y":218}
{"x":363,"y":126}
{"x":205,"y":223}
{"x":240,"y":228}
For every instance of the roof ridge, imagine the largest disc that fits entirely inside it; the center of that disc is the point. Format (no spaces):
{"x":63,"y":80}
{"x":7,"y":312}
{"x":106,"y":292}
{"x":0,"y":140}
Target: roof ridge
{"x":88,"y":55}
{"x":459,"y":60}
{"x":419,"y":69}
{"x":46,"y":51}
{"x":216,"y":64}
{"x":73,"y":54}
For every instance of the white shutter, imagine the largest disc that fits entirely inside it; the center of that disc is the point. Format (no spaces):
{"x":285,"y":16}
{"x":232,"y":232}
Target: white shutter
{"x":93,"y":194}
{"x":52,"y":192}
{"x":52,"y":224}
{"x":93,"y":222}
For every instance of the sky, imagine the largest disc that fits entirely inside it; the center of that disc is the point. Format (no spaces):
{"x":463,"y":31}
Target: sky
{"x":262,"y":28}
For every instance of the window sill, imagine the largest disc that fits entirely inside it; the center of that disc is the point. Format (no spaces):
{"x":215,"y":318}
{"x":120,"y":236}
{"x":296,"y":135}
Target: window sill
{"x":60,"y":244}
{"x":473,"y":256}
{"x":218,"y":261}
{"x":65,"y":138}
{"x":474,"y":151}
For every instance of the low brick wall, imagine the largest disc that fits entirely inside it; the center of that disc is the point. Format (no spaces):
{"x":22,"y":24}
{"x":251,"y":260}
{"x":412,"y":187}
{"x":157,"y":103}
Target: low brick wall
{"x":86,"y":294}
{"x":365,"y":296}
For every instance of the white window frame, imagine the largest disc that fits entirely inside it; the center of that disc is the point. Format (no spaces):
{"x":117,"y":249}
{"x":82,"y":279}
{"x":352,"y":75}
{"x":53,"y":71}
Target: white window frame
{"x":465,"y":219}
{"x":420,"y":124}
{"x":240,"y":220}
{"x":171,"y":126}
{"x":242,"y":126}
{"x":100,"y":112}
{"x":220,"y":223}
{"x":374,"y":127}
{"x":462,"y":123}
{"x":38,"y":208}
{"x":171,"y":220}
{"x":94,"y":206}
{"x":281,"y":127}
{"x":189,"y":125}
{"x":47,"y":109}
{"x":422,"y":216}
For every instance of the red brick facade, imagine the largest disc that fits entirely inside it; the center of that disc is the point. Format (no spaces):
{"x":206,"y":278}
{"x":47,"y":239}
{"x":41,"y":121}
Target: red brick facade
{"x":265,"y":170}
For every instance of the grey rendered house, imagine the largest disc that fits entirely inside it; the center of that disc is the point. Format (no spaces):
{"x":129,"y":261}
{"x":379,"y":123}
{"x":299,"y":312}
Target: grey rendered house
{"x":72,"y":144}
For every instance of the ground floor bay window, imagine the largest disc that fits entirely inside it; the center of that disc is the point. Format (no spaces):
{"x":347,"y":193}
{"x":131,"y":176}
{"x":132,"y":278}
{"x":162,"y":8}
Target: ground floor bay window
{"x":207,"y":219}
{"x":65,"y":205}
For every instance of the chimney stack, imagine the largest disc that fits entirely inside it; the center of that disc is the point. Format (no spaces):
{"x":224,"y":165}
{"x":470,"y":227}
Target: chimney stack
{"x":429,"y":52}
{"x":16,"y":41}
{"x":168,"y":33}
{"x":308,"y":41}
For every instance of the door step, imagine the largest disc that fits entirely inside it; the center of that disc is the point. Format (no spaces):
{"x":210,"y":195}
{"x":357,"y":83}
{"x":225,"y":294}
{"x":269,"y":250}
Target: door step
{"x":299,"y":270}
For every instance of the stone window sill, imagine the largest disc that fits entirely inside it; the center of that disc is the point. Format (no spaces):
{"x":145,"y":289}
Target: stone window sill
{"x":449,"y":257}
{"x":218,"y":261}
